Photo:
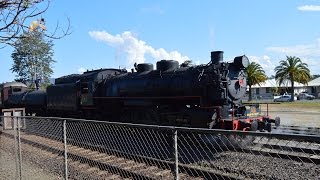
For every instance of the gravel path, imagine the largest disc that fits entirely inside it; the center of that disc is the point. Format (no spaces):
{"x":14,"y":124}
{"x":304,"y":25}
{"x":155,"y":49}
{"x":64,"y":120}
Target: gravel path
{"x":29,"y":170}
{"x":295,"y":116}
{"x":40,"y":164}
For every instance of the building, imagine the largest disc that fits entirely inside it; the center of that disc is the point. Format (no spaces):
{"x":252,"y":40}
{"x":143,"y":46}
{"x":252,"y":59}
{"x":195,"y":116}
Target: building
{"x":314,"y":87}
{"x":269,"y":88}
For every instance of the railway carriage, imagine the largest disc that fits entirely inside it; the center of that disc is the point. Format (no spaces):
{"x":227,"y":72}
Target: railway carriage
{"x":11,"y":89}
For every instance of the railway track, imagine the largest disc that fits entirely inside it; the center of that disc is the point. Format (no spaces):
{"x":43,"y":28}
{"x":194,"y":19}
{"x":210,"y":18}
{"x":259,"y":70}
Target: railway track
{"x":100,"y":159}
{"x":293,"y":150}
{"x":296,"y":130}
{"x":283,"y":157}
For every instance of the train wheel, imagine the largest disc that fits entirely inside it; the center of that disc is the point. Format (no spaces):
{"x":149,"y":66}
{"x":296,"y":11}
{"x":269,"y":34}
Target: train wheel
{"x":268,"y":127}
{"x":254,"y":125}
{"x":236,"y":141}
{"x":277,"y":121}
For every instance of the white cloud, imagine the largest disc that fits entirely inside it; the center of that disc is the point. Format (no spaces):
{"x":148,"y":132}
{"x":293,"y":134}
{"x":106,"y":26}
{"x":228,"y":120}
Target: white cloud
{"x":308,"y":53}
{"x":81,"y":70}
{"x":134,"y":49}
{"x":197,"y":62}
{"x":266,"y":63}
{"x":308,"y":50}
{"x":309,"y":8}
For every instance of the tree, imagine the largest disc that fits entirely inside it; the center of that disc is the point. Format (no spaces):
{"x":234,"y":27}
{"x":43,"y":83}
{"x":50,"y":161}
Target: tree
{"x":274,"y":90}
{"x":255,"y":75}
{"x":315,"y":76}
{"x":186,"y":63}
{"x":32,"y":59}
{"x":292,"y":69}
{"x":15,"y":14}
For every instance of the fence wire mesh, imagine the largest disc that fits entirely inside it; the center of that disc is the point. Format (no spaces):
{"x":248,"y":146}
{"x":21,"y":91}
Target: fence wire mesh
{"x":42,"y":144}
{"x":81,"y":149}
{"x":119,"y":149}
{"x":224,"y":155}
{"x":27,"y":141}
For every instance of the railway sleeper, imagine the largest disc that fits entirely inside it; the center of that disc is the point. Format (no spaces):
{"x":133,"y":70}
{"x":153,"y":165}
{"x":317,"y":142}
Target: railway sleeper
{"x":283,"y":154}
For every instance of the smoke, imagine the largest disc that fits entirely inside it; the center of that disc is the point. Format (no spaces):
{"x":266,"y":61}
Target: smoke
{"x":309,"y":53}
{"x":266,"y":63}
{"x":134,"y":49}
{"x":81,"y":70}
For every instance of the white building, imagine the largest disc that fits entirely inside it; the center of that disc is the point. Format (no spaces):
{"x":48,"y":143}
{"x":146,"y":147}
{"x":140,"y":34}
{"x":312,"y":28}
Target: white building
{"x":265,"y":90}
{"x":314,"y":87}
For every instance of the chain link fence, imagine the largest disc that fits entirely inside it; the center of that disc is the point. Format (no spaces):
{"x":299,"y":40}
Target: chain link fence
{"x":53,"y":148}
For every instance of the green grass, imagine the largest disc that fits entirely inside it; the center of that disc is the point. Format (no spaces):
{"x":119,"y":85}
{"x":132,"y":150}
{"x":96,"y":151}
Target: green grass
{"x":301,"y":104}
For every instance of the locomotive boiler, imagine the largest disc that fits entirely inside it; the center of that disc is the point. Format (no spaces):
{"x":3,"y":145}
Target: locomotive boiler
{"x":196,"y":96}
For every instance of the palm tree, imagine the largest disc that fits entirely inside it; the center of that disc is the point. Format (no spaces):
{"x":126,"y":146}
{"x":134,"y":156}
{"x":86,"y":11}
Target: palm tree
{"x":255,"y":75}
{"x":292,"y":69}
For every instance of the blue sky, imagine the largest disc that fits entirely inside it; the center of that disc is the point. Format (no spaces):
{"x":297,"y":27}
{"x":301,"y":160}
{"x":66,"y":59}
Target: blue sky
{"x":118,"y":33}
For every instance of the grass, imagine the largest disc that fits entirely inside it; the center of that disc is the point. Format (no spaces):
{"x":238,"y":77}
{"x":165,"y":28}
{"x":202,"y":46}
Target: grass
{"x":302,"y":105}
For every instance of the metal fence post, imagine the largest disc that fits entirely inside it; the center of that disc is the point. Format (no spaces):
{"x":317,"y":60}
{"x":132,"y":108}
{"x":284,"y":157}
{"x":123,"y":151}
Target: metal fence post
{"x":176,"y":160}
{"x":15,"y":144}
{"x":65,"y":149}
{"x":19,"y":149}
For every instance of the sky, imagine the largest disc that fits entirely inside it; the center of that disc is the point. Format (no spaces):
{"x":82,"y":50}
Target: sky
{"x":116,"y":34}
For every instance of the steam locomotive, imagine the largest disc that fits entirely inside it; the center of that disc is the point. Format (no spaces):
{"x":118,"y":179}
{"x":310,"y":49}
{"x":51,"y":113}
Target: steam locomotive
{"x":202,"y":96}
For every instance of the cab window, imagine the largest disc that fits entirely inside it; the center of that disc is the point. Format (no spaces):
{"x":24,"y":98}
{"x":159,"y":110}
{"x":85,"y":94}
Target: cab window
{"x":16,"y":90}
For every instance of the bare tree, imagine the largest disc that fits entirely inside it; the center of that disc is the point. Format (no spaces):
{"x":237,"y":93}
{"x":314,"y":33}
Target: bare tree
{"x":14,"y":15}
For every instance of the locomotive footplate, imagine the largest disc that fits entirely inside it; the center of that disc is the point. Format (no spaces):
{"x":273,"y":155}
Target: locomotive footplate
{"x":249,"y":118}
{"x":264,"y":121}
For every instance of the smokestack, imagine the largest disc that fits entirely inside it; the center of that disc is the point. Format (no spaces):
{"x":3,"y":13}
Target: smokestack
{"x":216,"y":57}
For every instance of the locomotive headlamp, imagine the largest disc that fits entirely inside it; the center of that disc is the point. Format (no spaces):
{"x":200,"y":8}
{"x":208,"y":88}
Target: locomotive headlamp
{"x":241,"y":61}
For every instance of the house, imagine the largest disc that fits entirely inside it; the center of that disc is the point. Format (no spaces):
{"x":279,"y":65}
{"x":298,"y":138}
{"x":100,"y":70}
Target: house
{"x":314,"y":87}
{"x":268,"y":89}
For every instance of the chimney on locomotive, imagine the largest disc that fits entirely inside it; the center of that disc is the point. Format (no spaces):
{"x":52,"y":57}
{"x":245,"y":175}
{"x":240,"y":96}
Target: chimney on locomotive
{"x":216,"y":57}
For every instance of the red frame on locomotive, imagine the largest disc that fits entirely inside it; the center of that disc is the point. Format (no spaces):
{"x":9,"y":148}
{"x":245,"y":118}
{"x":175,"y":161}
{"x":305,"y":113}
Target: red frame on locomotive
{"x":253,"y":120}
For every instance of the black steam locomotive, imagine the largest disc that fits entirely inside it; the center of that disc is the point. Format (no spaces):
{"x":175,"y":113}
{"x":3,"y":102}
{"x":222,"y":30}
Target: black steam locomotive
{"x":205,"y":96}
